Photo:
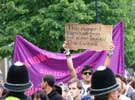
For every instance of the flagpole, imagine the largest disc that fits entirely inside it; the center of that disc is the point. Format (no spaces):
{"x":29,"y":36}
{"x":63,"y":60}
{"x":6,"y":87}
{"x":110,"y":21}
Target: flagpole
{"x":97,"y":17}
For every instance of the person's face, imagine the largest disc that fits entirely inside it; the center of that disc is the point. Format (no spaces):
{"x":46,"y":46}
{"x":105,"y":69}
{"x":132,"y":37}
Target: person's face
{"x":120,"y":85}
{"x":86,"y":75}
{"x":74,"y":90}
{"x":114,"y":95}
{"x":36,"y":98}
{"x":1,"y":91}
{"x":43,"y":84}
{"x":64,"y":94}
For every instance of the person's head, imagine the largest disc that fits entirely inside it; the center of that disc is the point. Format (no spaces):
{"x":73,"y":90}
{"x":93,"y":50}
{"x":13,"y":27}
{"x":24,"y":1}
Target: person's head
{"x":119,"y":81}
{"x":75,"y":88}
{"x":130,"y":79}
{"x":133,"y":84}
{"x":39,"y":95}
{"x":17,"y":78}
{"x":1,"y":90}
{"x":65,"y":90}
{"x":48,"y":81}
{"x":104,"y":85}
{"x":86,"y":73}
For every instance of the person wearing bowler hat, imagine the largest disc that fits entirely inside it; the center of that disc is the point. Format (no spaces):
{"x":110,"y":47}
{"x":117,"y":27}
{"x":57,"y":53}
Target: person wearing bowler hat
{"x":104,"y":85}
{"x":17,"y":82}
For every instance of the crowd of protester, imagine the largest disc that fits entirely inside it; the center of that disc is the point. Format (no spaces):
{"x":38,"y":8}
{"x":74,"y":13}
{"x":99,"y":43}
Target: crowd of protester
{"x":101,"y":84}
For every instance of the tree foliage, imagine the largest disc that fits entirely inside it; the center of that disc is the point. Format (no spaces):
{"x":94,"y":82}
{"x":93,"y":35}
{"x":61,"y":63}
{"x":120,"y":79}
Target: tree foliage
{"x":42,"y":21}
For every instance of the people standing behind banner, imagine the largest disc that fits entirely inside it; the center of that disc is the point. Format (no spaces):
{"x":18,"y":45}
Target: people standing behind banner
{"x":86,"y":74}
{"x":48,"y":85}
{"x":87,"y":70}
{"x":39,"y":95}
{"x":104,"y":85}
{"x":17,"y":82}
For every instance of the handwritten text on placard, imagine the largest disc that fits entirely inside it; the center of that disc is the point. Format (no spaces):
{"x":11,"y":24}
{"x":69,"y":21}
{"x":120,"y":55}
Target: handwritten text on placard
{"x":88,"y":36}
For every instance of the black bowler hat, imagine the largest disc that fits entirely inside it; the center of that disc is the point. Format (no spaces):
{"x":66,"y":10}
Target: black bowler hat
{"x":17,"y":78}
{"x":103,"y":81}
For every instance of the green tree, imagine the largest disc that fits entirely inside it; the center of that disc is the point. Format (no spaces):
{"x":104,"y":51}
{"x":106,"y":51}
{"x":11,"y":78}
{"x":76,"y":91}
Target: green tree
{"x":42,"y":21}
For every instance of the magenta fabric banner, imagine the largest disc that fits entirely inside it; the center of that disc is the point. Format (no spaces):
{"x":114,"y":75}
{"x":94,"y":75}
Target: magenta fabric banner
{"x":40,"y":62}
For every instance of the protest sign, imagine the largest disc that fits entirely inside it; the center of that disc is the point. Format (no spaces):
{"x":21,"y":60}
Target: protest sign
{"x":88,"y":36}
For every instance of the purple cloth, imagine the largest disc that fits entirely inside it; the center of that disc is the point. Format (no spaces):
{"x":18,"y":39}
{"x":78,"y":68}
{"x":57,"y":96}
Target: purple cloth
{"x":41,"y":62}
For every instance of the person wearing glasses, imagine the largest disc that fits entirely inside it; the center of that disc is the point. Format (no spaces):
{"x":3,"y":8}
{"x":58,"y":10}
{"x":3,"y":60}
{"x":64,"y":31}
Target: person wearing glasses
{"x":87,"y":70}
{"x":86,"y":74}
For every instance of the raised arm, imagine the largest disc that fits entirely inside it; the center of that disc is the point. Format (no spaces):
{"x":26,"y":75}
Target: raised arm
{"x":109,"y":55}
{"x":71,"y":68}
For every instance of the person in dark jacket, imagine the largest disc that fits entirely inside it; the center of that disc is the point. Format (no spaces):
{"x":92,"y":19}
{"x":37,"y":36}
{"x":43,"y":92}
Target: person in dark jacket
{"x":86,"y":98}
{"x":48,"y":85}
{"x":17,"y":82}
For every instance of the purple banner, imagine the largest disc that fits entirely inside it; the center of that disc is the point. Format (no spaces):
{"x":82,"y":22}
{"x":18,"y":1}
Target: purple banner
{"x":41,"y":62}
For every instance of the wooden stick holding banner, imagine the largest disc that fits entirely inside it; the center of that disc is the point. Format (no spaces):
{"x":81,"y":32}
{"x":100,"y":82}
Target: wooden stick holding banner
{"x":88,"y":36}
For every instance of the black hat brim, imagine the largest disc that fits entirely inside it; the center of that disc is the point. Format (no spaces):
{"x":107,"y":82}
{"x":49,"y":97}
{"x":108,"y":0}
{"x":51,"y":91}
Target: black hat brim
{"x":103,"y":92}
{"x":17,"y":87}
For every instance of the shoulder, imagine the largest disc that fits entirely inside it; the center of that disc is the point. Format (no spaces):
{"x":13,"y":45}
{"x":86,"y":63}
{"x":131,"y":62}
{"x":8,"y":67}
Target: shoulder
{"x":86,"y":98}
{"x":54,"y":95}
{"x":11,"y":98}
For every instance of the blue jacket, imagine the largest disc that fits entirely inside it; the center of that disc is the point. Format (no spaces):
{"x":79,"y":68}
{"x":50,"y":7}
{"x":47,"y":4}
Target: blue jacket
{"x":86,"y":98}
